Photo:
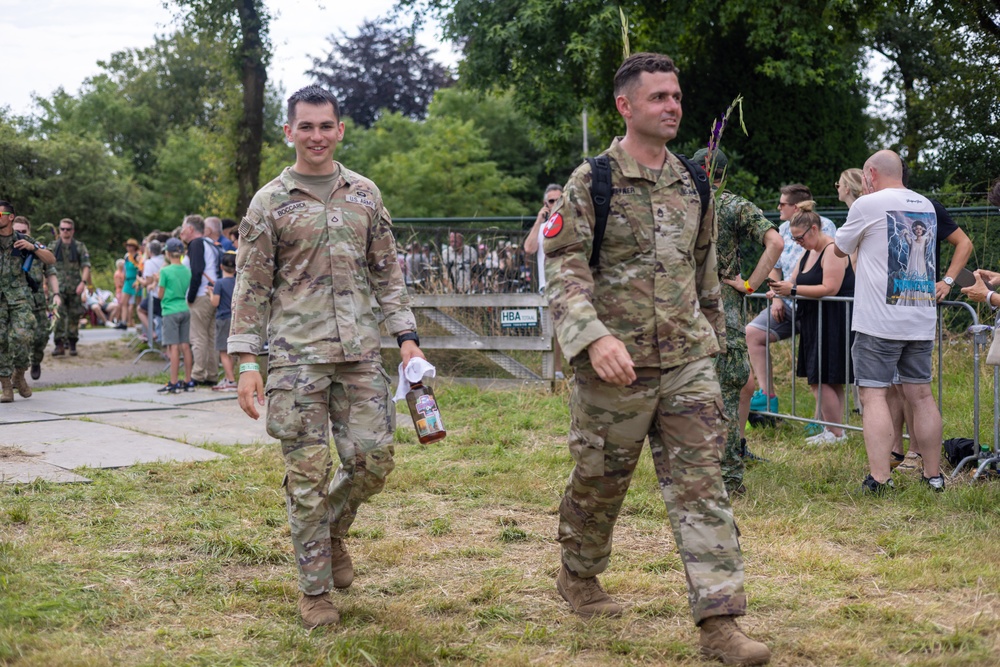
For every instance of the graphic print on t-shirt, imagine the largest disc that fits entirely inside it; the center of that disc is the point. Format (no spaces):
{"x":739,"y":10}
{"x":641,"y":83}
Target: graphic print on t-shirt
{"x":911,"y":269}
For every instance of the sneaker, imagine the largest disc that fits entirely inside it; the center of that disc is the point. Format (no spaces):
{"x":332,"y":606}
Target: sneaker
{"x":168,"y":388}
{"x":773,"y":404}
{"x":225,"y":385}
{"x":813,"y":429}
{"x":871,"y":487}
{"x":758,"y":402}
{"x":187,"y":386}
{"x":936,"y":483}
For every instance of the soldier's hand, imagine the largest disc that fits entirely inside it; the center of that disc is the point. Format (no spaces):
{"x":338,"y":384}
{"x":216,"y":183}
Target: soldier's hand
{"x":409,"y":351}
{"x":24,"y":244}
{"x":251,"y":385}
{"x":611,"y":360}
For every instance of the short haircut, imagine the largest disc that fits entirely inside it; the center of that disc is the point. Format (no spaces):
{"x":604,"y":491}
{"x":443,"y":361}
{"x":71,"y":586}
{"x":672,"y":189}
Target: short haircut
{"x":213,"y":224}
{"x":633,"y":67}
{"x":195,"y":222}
{"x":155,"y":248}
{"x":553,"y":186}
{"x":994,"y":196}
{"x":228,"y":261}
{"x":796,"y":192}
{"x":7,"y":205}
{"x":20,"y":219}
{"x":312,"y":95}
{"x":227,"y":223}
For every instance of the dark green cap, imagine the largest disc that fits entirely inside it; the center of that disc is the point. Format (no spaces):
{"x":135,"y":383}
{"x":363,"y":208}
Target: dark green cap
{"x":721,"y":161}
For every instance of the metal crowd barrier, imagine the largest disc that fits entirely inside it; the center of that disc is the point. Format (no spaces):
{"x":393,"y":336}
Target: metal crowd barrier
{"x":986,"y":456}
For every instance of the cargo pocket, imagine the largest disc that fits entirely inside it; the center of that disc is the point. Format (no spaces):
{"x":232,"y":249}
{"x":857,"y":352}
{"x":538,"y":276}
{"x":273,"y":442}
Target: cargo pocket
{"x":587,"y":450}
{"x":284,"y":420}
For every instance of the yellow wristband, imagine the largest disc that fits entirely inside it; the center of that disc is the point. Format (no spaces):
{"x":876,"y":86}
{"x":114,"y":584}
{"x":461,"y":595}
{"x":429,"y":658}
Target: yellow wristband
{"x":746,"y":286}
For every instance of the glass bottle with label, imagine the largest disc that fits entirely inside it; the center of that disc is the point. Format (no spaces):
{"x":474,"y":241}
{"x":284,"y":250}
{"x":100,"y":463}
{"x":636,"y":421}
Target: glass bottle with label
{"x":425,"y":412}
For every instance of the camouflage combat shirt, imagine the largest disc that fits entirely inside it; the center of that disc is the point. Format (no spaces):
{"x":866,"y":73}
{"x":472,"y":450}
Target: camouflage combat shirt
{"x":739,"y":221}
{"x":657,"y":285}
{"x":70,"y":260}
{"x":315,"y":271}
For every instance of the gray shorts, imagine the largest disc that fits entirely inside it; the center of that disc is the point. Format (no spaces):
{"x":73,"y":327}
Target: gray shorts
{"x":222,"y":334}
{"x":881,"y":362}
{"x":177,"y":328}
{"x":780,"y":330}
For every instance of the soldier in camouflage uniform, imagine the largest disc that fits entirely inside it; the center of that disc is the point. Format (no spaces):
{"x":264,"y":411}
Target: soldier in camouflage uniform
{"x":739,"y":221}
{"x":640,"y":331}
{"x":317,"y":255}
{"x":40,"y":271}
{"x":16,"y":318}
{"x":73,"y":270}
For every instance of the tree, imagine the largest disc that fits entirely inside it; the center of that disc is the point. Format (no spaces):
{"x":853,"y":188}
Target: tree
{"x":382,"y":68}
{"x":243,"y":26}
{"x":560,"y":57}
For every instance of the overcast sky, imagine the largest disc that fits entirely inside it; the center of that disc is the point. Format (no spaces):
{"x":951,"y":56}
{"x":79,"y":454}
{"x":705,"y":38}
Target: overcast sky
{"x":53,"y":43}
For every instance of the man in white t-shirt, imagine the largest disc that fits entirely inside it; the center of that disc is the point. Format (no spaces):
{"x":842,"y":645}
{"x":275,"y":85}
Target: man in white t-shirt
{"x":895,"y":316}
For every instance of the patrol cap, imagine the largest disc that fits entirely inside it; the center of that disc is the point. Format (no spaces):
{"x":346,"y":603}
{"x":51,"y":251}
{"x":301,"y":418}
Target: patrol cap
{"x":175,"y":245}
{"x":721,"y":161}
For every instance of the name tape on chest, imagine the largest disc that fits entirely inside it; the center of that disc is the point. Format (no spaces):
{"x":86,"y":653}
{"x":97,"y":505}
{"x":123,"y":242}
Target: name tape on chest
{"x":285,"y":209}
{"x":553,"y":226}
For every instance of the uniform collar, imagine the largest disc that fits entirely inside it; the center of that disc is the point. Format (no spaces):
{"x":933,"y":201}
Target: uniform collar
{"x":291,"y":183}
{"x":631,"y":169}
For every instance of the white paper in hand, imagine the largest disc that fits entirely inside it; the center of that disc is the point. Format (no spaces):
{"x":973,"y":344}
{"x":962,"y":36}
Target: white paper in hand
{"x":416,"y":370}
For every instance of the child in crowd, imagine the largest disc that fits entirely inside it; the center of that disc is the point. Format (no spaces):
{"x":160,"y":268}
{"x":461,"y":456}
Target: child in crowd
{"x":118,"y":315}
{"x":222,"y":299}
{"x":174,"y":281}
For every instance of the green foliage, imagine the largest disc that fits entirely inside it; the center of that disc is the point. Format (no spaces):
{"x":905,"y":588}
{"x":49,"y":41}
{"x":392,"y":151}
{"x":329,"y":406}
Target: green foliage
{"x":436,"y":168}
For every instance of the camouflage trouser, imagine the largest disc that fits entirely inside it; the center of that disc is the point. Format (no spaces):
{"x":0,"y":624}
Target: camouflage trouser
{"x":733,"y":370}
{"x":681,"y":411}
{"x":17,"y":327}
{"x":302,"y":403}
{"x":68,"y":326}
{"x":41,"y":338}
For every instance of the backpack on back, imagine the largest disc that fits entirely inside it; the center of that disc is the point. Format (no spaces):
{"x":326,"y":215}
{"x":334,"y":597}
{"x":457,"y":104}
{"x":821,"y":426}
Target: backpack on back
{"x":600,"y":193}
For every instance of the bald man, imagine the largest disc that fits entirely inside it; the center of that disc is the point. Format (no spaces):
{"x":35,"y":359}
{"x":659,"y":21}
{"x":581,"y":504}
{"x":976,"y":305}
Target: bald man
{"x":893,"y":229}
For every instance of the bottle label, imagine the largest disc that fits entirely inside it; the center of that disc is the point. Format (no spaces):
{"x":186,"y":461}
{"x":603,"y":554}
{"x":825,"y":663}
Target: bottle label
{"x":429,"y":419}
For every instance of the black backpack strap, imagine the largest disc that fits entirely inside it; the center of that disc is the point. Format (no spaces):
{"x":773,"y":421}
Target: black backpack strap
{"x":700,"y":179}
{"x":600,"y":193}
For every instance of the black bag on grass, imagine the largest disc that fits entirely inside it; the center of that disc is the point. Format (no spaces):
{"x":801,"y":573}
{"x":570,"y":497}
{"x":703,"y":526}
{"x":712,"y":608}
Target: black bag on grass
{"x":957,"y":449}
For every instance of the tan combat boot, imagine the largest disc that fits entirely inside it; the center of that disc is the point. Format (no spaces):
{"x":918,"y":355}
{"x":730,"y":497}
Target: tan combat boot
{"x":8,"y":390}
{"x":317,"y":610}
{"x":723,"y":640}
{"x":340,"y":563}
{"x":21,"y":384}
{"x":585,"y":595}
{"x":60,"y":349}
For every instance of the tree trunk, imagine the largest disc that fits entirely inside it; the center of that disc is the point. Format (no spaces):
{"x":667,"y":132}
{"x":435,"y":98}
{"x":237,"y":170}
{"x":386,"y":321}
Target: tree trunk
{"x":251,"y":126}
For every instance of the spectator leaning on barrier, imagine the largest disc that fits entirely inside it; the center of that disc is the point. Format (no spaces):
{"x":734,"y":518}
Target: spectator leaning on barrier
{"x":302,"y":242}
{"x":780,"y":325}
{"x":642,"y":356}
{"x":895,"y":318}
{"x":739,"y":220}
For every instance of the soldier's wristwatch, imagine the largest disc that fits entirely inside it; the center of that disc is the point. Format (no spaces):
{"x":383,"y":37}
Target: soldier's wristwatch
{"x":949,"y":281}
{"x":402,"y":338}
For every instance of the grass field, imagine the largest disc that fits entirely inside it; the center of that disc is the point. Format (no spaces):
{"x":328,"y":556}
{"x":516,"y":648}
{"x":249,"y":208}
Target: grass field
{"x":190,"y":564}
